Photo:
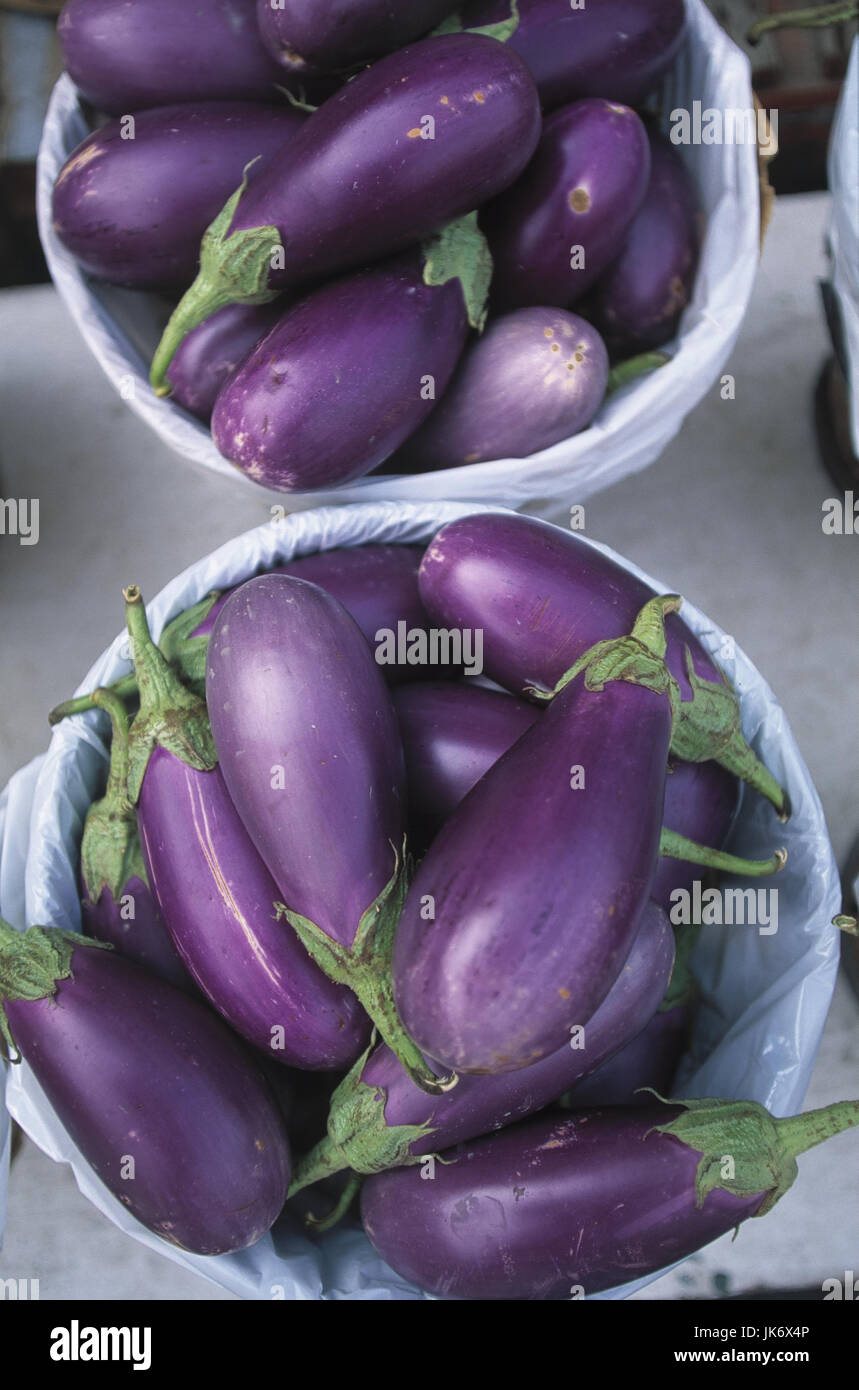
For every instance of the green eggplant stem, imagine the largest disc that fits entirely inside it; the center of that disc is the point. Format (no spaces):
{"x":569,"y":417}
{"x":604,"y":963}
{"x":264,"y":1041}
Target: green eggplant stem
{"x":844,"y":922}
{"x":365,"y":968}
{"x":674,"y":846}
{"x":633,"y":368}
{"x":124,"y":689}
{"x":117,"y":778}
{"x":322,"y":1161}
{"x":339,"y":1210}
{"x":799,"y":1133}
{"x":819,"y":17}
{"x":234,"y":269}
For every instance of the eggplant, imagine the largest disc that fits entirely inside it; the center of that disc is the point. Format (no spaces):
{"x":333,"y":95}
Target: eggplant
{"x":617,"y":49}
{"x":543,"y":596}
{"x":452,"y":734}
{"x":566,"y":1206}
{"x":310,"y":751}
{"x":536,"y":376}
{"x":525,"y":906}
{"x":638,"y":301}
{"x":353,"y":369}
{"x":118,"y":906}
{"x":377,"y":584}
{"x":379,"y":1118}
{"x":361,"y":182}
{"x":213,"y":890}
{"x":160,"y":1098}
{"x":342,"y":33}
{"x":154,"y":52}
{"x":555,"y":231}
{"x":132,"y":210}
{"x":648,"y":1063}
{"x":214,"y":350}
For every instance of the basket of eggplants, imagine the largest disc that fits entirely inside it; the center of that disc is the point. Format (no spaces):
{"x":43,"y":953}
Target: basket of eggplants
{"x":415,"y":250}
{"x":322,"y":896}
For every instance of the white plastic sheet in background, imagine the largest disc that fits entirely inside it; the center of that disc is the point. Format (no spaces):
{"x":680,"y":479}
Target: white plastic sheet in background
{"x":765,"y":998}
{"x":122,"y":327}
{"x":844,"y":227}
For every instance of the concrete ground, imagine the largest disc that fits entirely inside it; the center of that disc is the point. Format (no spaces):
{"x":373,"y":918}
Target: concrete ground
{"x":730,"y":516}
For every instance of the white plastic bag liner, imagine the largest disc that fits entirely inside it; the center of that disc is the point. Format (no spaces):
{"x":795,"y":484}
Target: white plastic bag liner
{"x":122,"y":327}
{"x":765,"y":998}
{"x":844,"y":227}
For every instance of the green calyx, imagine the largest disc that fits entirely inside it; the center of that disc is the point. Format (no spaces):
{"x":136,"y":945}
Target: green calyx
{"x":365,"y":968}
{"x":358,"y":1137}
{"x":633,"y":368}
{"x":461,"y":252}
{"x":674,"y":846}
{"x":820,"y":17}
{"x":745,"y":1150}
{"x":502,"y":31}
{"x":706,"y":727}
{"x":186,"y":654}
{"x":32,"y":962}
{"x":234,"y":269}
{"x":170,"y":716}
{"x":110,"y":848}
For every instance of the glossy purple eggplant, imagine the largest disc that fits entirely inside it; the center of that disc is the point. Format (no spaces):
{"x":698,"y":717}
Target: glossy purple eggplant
{"x":379,"y":1118}
{"x":555,"y":231}
{"x":452,"y":734}
{"x":118,"y":906}
{"x":161,"y":1099}
{"x":123,"y":57}
{"x":536,"y":376}
{"x":527,"y":903}
{"x":353,"y":369}
{"x":421,"y":138}
{"x":564,"y":1206}
{"x":132,"y":208}
{"x":216,"y":896}
{"x":542,"y":597}
{"x":310,"y":750}
{"x":638,"y":301}
{"x":616,"y":49}
{"x":214,"y":350}
{"x":342,"y":33}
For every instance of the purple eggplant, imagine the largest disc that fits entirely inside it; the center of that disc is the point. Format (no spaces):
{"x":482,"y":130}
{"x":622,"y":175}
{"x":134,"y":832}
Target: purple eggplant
{"x":213,"y":890}
{"x":133,"y":207}
{"x":452,"y":734}
{"x":638,"y":301}
{"x":416,"y":141}
{"x":158,"y":1095}
{"x":153,"y":52}
{"x":118,"y":906}
{"x":352,"y":370}
{"x":542,"y":597}
{"x":214,"y":350}
{"x":310,"y":751}
{"x":379,"y":1118}
{"x":536,"y":376}
{"x":565,"y":1206}
{"x":342,"y":33}
{"x":377,"y":584}
{"x":555,"y":231}
{"x":648,"y":1062}
{"x":617,"y":49}
{"x":526,"y":904}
